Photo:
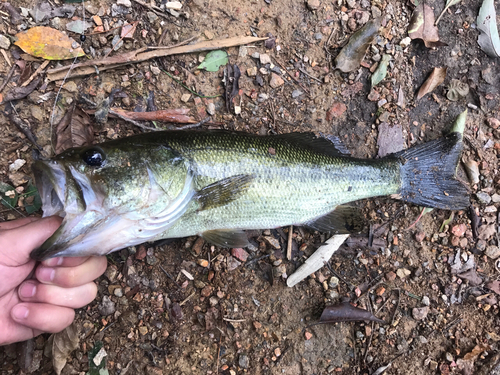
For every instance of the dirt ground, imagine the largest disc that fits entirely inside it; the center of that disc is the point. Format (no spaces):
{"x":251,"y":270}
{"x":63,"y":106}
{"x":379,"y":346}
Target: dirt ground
{"x":159,"y":310}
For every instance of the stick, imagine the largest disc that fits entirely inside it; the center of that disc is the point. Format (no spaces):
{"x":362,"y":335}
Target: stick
{"x":8,"y":77}
{"x":144,"y":54}
{"x":289,"y":245}
{"x":40,"y":68}
{"x":307,"y":74}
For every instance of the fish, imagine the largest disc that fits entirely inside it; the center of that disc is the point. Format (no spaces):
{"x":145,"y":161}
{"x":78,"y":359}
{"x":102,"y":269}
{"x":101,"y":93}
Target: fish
{"x":218,"y":184}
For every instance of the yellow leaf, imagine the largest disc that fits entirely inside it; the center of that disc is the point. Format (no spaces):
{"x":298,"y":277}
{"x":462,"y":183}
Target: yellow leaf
{"x":48,"y":43}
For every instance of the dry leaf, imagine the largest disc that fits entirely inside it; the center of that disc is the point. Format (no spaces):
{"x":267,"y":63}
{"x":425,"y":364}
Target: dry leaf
{"x":74,"y":130}
{"x":422,"y":26}
{"x":353,"y":52}
{"x":48,"y":43}
{"x":435,"y":79}
{"x":345,"y":312}
{"x":60,"y":345}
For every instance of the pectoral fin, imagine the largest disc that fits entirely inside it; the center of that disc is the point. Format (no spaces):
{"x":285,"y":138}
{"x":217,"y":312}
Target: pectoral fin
{"x":342,"y":220}
{"x":224,"y":191}
{"x":226,"y":238}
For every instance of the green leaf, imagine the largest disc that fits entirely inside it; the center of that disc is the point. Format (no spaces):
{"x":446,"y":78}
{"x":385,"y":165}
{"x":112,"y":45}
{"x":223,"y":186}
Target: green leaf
{"x":36,"y":203}
{"x":379,"y":74}
{"x":213,"y":60}
{"x":9,"y":201}
{"x":488,"y":40}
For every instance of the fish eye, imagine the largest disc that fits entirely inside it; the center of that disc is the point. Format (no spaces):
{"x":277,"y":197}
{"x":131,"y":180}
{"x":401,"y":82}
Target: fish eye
{"x":94,"y":157}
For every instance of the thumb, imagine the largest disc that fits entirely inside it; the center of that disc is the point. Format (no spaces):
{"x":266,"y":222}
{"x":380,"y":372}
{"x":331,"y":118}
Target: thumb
{"x":17,"y":243}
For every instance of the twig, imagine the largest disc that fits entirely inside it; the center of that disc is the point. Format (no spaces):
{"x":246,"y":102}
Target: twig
{"x":187,"y":299}
{"x":293,"y":78}
{"x":138,"y":124}
{"x":6,"y":57}
{"x":40,"y":68}
{"x":190,"y":126}
{"x":289,"y":244}
{"x":234,"y":320}
{"x":257,"y":259}
{"x":169,"y":276}
{"x":21,"y":125}
{"x":187,"y":88}
{"x":175,"y":45}
{"x":218,"y":353}
{"x":8,"y":77}
{"x":307,"y":74}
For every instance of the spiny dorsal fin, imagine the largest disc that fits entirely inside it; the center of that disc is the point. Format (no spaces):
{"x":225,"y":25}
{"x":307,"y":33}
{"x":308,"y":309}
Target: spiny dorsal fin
{"x":224,"y":191}
{"x":342,"y":220}
{"x":326,"y":144}
{"x":226,"y":238}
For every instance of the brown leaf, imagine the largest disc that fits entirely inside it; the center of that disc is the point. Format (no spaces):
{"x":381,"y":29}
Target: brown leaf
{"x":345,"y":312}
{"x":422,"y":26}
{"x":21,"y":92}
{"x":353,"y":52}
{"x":60,"y":345}
{"x":48,"y":43}
{"x":74,"y":130}
{"x":435,"y":79}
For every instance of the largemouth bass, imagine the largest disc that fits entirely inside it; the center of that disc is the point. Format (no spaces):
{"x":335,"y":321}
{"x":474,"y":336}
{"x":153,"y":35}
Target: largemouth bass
{"x":217,"y":184}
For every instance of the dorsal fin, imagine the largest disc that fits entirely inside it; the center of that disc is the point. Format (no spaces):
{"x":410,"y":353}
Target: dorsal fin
{"x":326,"y":144}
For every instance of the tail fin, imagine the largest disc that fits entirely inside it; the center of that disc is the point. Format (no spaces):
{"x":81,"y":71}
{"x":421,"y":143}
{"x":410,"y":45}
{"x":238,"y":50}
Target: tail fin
{"x":428,"y":174}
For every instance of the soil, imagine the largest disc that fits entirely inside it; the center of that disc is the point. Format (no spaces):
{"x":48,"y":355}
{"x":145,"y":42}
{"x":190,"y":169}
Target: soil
{"x":172,"y":315}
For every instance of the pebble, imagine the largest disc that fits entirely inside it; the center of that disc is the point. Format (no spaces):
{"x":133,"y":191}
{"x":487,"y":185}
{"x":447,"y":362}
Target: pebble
{"x":118,"y":292}
{"x":265,"y":59}
{"x":143,"y":330}
{"x":420,"y":313}
{"x":18,"y":163}
{"x":232,"y":263}
{"x":243,"y":361}
{"x":18,"y":178}
{"x":4,"y":42}
{"x":333,"y":294}
{"x":333,"y":282}
{"x":111,"y":272}
{"x":381,"y":102}
{"x":71,"y":87}
{"x":403,"y":272}
{"x":262,"y":97}
{"x":106,"y":307}
{"x":495,"y":198}
{"x":459,"y":230}
{"x":252,"y":72}
{"x":390,"y":276}
{"x":177,"y":5}
{"x":483,"y":197}
{"x":313,"y":4}
{"x":373,"y":96}
{"x":493,"y":252}
{"x":318,"y":36}
{"x":426,"y":301}
{"x":239,"y":254}
{"x":405,"y":42}
{"x":125,"y":3}
{"x":117,"y":43}
{"x":152,"y":17}
{"x":207,"y":291}
{"x":155,"y":70}
{"x":296,"y":94}
{"x":420,"y":236}
{"x":185,"y":97}
{"x":211,"y":109}
{"x":308,"y":335}
{"x":273,"y":242}
{"x":276,"y":81}
{"x":243,"y":51}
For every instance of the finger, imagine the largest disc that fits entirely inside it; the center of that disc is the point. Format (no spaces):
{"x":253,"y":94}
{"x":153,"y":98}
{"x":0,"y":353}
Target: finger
{"x":33,"y":291}
{"x":65,"y":261}
{"x":17,"y":223}
{"x":16,"y":244}
{"x":68,"y":277}
{"x":43,"y":317}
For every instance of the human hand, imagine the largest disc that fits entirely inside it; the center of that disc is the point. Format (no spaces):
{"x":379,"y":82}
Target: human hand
{"x":45,"y":302}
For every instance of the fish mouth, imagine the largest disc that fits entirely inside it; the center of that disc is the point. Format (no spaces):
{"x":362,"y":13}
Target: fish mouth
{"x":64,"y":193}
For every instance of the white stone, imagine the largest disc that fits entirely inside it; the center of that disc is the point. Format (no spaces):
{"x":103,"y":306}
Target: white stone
{"x":125,"y":3}
{"x":173,"y":5}
{"x":14,"y":167}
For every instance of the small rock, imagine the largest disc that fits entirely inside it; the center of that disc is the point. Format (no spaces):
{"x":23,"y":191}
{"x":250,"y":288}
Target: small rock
{"x":176,"y":5}
{"x":143,"y":330}
{"x":492,"y":252}
{"x":381,"y":102}
{"x":185,"y":97}
{"x":265,"y":59}
{"x":493,"y":122}
{"x":449,"y":357}
{"x":426,"y":301}
{"x":373,"y":96}
{"x":155,"y":70}
{"x":208,"y":34}
{"x":202,"y":263}
{"x":420,"y":236}
{"x":459,"y":230}
{"x":495,"y":198}
{"x":18,"y":178}
{"x":243,"y":361}
{"x":390,"y":276}
{"x":239,"y":253}
{"x":313,"y":4}
{"x":257,"y":325}
{"x":211,"y":109}
{"x":125,"y":3}
{"x":336,"y":110}
{"x":152,"y":17}
{"x":433,"y":365}
{"x":380,"y":291}
{"x":483,"y":197}
{"x":18,"y":163}
{"x":38,"y":112}
{"x":318,"y":36}
{"x":296,"y":94}
{"x":252,"y":72}
{"x":207,"y":291}
{"x":243,"y":51}
{"x":256,"y":55}
{"x":333,"y":294}
{"x":403,"y":272}
{"x":276,"y":81}
{"x":420,"y":313}
{"x":405,"y":42}
{"x":118,"y":292}
{"x":4,"y":42}
{"x":213,"y":301}
{"x":106,"y":307}
{"x":308,"y":335}
{"x":111,"y":272}
{"x":232,"y":263}
{"x":273,"y":242}
{"x":71,"y":87}
{"x":333,"y":282}
{"x":117,"y":42}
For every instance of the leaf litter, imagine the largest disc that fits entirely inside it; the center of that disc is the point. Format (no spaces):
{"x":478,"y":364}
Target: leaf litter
{"x":488,"y":39}
{"x":435,"y":79}
{"x":422,"y":26}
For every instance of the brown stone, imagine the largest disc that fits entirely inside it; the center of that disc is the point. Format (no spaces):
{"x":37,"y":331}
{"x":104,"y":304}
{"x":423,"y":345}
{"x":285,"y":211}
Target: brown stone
{"x":276,"y":81}
{"x":336,"y":110}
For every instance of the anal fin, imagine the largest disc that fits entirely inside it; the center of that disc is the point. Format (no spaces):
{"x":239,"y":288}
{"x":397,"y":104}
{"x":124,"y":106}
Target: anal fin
{"x":342,"y":220}
{"x":226,"y":238}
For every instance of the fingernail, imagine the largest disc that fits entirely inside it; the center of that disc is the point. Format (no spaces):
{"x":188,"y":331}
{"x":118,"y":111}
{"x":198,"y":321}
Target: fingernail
{"x":20,"y":312}
{"x":46,"y":274}
{"x":54,"y":262}
{"x":27,"y":290}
